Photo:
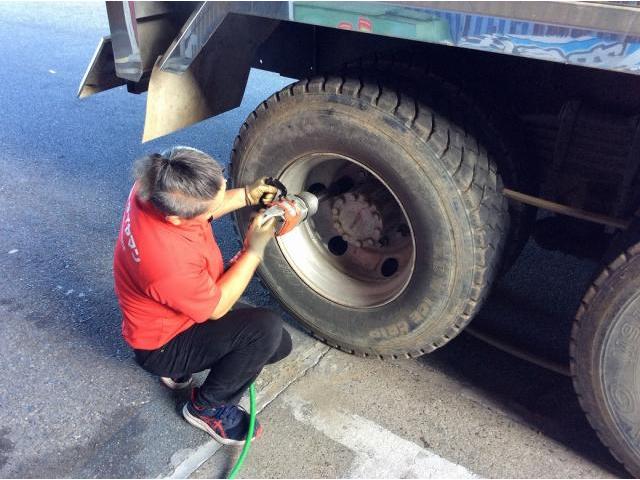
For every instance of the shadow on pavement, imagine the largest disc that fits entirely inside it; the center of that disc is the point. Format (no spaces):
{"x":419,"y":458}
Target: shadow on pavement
{"x":531,"y":307}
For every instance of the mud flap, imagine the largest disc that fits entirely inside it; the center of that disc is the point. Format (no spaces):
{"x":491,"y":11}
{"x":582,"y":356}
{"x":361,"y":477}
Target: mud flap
{"x":214,"y":83}
{"x":101,"y":72}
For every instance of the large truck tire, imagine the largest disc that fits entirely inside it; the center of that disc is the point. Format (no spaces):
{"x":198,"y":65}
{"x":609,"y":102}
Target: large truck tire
{"x":489,"y":119}
{"x":399,"y":262}
{"x":605,"y":357}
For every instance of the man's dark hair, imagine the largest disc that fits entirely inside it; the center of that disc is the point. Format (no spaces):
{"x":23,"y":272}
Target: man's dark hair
{"x":180,"y":181}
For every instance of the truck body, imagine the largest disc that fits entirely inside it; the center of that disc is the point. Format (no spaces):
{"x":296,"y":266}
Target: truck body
{"x":443,"y":127}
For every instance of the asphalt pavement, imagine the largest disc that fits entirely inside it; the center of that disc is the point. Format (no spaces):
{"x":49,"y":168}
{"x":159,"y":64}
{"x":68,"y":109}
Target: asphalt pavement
{"x":73,"y":402}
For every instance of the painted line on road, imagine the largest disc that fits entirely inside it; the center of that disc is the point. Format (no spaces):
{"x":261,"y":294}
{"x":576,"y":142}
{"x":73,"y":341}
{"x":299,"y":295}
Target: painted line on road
{"x":379,"y":453}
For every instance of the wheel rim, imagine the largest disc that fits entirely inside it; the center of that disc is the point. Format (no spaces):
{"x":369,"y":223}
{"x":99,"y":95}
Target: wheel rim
{"x":622,"y":395}
{"x":359,"y":249}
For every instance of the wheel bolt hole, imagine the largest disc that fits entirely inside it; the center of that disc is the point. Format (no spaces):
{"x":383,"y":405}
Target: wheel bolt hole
{"x":338,"y":246}
{"x":342,"y":185}
{"x":403,"y":229}
{"x":316,"y":188}
{"x":389,"y":267}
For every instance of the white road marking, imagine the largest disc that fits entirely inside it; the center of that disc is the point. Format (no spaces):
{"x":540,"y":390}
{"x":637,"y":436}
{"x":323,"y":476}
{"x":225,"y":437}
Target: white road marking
{"x":379,"y":452}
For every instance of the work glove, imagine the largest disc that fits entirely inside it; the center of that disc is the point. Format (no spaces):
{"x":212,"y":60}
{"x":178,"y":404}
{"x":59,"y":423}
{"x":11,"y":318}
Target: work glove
{"x":257,"y":189}
{"x":258,"y":235}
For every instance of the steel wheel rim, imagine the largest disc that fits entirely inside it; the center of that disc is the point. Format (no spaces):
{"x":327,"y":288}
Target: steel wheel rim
{"x":360,"y":276}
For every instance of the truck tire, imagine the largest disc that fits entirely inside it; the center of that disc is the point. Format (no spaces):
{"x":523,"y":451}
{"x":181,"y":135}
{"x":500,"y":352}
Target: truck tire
{"x":400,"y":260}
{"x":490,"y":120}
{"x":605,"y":357}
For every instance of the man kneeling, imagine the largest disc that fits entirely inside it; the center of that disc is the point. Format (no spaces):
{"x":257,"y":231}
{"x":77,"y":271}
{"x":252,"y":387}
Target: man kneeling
{"x":176,"y":297}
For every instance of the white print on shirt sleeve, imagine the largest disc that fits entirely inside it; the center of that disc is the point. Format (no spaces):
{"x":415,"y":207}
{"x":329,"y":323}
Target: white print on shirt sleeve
{"x":126,"y":224}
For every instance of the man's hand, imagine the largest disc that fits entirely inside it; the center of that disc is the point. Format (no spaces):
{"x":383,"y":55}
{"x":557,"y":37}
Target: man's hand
{"x":258,"y":236}
{"x":257,"y":189}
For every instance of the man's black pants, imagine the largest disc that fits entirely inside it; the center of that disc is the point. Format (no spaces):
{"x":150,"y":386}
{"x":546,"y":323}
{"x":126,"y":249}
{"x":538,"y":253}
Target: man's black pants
{"x":235,"y":348}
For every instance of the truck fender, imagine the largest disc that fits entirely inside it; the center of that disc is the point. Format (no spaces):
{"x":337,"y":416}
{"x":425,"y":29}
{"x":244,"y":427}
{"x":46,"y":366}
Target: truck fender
{"x":214,"y":82}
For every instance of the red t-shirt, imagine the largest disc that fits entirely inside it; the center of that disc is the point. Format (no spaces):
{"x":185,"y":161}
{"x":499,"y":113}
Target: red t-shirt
{"x":165,"y":275}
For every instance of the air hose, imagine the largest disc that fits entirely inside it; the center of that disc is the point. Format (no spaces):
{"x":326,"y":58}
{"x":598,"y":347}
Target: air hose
{"x":247,"y":442}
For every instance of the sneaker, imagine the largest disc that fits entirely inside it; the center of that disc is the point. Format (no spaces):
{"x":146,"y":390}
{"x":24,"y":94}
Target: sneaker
{"x":177,"y":383}
{"x":227,"y":424}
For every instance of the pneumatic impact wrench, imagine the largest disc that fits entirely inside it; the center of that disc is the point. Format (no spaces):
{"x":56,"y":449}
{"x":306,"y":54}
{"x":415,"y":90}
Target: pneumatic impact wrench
{"x":288,"y":210}
{"x":292,"y":210}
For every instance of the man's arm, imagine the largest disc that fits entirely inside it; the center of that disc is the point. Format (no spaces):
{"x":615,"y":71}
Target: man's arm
{"x":249,"y":195}
{"x":234,"y":281}
{"x":233,"y":200}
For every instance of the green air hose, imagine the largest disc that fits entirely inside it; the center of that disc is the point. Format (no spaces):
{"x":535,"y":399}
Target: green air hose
{"x":247,"y":442}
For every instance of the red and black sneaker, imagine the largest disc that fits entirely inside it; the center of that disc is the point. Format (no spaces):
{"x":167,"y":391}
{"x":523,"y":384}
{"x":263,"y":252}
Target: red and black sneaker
{"x":227,"y":424}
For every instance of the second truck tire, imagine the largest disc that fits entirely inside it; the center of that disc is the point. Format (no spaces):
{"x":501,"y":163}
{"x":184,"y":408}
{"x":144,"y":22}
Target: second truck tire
{"x":605,"y":356}
{"x":401,"y":256}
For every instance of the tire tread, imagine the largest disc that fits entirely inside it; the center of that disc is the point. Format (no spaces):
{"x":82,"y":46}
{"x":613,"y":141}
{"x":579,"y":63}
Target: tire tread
{"x":583,"y":391}
{"x":474,"y":173}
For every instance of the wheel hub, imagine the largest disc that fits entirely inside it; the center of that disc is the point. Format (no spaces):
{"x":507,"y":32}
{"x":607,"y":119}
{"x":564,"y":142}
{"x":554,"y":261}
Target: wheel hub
{"x":357,"y":220}
{"x":352,"y":251}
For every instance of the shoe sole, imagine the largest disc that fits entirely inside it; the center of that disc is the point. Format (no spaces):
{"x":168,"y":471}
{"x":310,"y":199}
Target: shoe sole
{"x":169,"y":383}
{"x":202,"y":425}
